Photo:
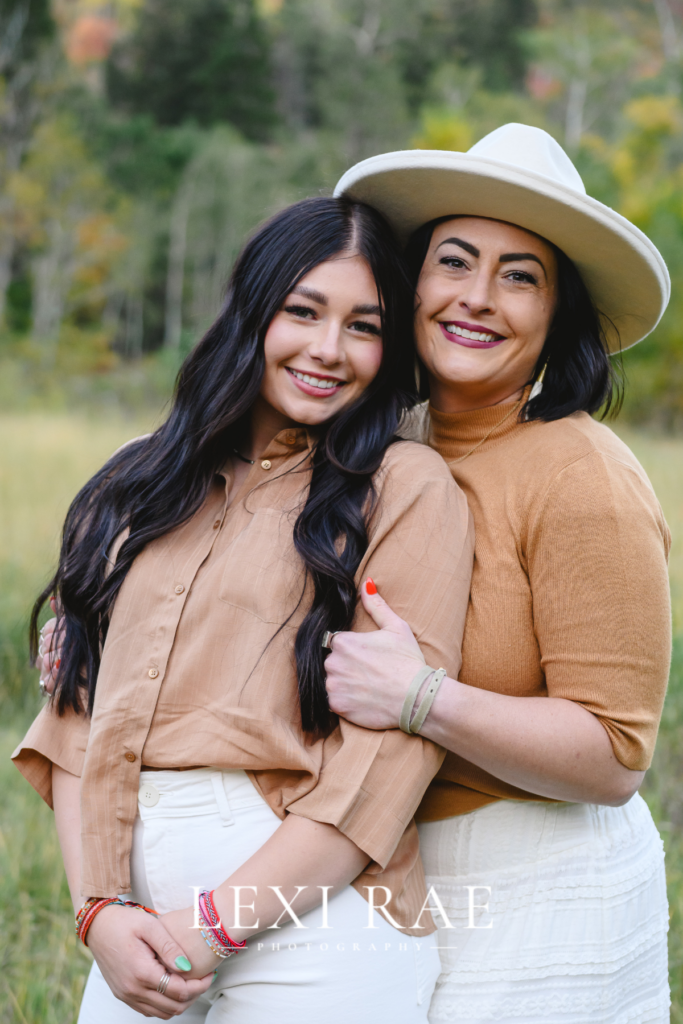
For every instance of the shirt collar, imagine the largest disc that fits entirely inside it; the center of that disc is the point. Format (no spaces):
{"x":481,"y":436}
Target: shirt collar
{"x":289,"y":441}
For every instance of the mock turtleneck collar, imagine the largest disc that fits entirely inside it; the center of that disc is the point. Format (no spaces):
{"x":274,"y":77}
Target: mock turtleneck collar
{"x":454,"y":434}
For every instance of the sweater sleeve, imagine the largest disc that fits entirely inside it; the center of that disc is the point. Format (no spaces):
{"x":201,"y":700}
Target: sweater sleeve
{"x":420,"y":556}
{"x":597,"y":553}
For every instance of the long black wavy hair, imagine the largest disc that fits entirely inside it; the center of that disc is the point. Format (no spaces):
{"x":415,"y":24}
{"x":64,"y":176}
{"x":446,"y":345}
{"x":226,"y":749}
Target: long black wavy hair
{"x":156,"y":483}
{"x":579,"y":373}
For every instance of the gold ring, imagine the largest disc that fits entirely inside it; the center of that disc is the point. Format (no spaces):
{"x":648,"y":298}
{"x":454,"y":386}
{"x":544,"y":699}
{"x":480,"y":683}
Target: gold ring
{"x":327,"y":638}
{"x":163,"y":984}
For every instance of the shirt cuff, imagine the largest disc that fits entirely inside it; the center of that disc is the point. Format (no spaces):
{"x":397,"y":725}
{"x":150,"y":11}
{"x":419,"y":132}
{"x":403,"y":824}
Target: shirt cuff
{"x":52,"y":739}
{"x":371,"y":787}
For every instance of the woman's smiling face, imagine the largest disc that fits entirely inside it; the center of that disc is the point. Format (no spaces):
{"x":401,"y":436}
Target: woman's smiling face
{"x":324,"y":347}
{"x":486,"y":297}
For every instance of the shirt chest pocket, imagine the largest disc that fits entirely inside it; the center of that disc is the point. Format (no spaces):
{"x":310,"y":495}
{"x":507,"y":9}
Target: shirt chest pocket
{"x":262,"y":572}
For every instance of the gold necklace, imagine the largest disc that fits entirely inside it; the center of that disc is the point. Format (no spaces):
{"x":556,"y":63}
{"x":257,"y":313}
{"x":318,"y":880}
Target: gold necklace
{"x":487,"y":436}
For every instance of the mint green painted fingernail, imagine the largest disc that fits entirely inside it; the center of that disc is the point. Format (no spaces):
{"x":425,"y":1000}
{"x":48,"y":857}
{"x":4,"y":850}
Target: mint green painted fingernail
{"x":183,"y":964}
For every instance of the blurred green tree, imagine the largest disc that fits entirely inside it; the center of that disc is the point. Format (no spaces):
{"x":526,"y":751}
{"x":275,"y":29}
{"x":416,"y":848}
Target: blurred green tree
{"x":488,"y":35}
{"x":362,"y":69}
{"x":206,"y":61}
{"x":587,"y":58}
{"x":68,"y":221}
{"x":26,"y":29}
{"x":647,"y":181}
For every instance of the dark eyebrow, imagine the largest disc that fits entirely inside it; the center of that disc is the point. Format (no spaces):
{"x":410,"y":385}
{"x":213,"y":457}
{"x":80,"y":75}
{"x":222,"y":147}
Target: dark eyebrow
{"x":310,"y":293}
{"x":513,"y":257}
{"x":367,"y":310}
{"x":471,"y":249}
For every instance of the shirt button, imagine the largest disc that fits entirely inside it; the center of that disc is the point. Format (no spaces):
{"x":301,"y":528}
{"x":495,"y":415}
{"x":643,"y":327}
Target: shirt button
{"x":290,"y":439}
{"x":130,"y":756}
{"x":216,"y":524}
{"x":179,"y":589}
{"x":153,"y":673}
{"x":266,"y":464}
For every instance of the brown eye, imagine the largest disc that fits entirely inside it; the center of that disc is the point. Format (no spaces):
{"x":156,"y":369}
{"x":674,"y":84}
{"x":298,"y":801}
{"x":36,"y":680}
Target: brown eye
{"x":522,"y":276}
{"x":362,"y":327}
{"x":305,"y":312}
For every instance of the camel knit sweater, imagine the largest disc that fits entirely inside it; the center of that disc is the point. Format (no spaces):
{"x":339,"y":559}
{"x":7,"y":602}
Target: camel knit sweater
{"x":570,"y":593}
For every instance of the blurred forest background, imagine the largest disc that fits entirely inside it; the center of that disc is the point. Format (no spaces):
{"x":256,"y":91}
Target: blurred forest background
{"x":141,"y":139}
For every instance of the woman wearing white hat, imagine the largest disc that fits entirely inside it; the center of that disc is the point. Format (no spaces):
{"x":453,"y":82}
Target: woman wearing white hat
{"x":546,"y":861}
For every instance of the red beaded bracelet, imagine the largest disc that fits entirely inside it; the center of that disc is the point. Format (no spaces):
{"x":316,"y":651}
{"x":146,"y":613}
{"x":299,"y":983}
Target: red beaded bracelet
{"x":91,"y":908}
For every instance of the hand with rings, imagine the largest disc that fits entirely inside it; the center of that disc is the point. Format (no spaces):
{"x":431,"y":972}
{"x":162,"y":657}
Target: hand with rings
{"x":143,"y":964}
{"x":163,"y":984}
{"x":368,"y":674}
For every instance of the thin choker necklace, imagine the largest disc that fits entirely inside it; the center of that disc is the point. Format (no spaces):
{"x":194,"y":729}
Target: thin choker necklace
{"x":243,"y":457}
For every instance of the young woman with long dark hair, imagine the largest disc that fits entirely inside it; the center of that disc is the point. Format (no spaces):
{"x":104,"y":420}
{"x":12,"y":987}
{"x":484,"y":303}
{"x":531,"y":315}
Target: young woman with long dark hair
{"x":201,"y":572}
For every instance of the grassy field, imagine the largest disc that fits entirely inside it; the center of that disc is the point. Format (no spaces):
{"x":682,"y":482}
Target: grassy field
{"x":43,"y":461}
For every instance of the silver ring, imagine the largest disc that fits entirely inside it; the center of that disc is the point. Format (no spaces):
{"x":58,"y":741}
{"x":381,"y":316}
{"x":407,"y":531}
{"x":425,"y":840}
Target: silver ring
{"x":327,"y":638}
{"x":163,"y":984}
{"x":44,"y":692}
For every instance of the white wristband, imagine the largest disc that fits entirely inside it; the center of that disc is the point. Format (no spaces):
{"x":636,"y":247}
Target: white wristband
{"x":427,"y":701}
{"x":413,"y":690}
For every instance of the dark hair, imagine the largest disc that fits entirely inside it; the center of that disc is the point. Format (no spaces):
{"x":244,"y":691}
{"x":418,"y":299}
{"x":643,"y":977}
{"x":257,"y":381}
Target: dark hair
{"x":154,"y":484}
{"x":579,"y":374}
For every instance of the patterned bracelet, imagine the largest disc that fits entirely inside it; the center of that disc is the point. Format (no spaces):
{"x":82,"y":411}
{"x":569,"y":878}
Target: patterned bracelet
{"x":91,"y":908}
{"x":215,"y":937}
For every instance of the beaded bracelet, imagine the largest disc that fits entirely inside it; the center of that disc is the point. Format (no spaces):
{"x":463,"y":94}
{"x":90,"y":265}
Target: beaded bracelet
{"x":215,"y":937}
{"x":91,"y":908}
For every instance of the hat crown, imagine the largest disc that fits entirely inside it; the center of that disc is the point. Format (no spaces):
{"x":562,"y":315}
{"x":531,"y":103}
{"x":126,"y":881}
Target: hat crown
{"x":532,"y":149}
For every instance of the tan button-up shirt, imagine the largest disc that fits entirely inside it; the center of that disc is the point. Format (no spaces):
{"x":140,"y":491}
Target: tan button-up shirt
{"x":198,"y":668}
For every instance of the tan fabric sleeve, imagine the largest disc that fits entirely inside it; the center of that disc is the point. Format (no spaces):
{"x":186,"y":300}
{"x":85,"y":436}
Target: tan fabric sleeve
{"x":50,"y":740}
{"x":421,"y":560}
{"x":597,"y":551}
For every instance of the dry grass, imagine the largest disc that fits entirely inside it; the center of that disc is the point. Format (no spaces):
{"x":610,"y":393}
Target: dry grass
{"x":43,"y":461}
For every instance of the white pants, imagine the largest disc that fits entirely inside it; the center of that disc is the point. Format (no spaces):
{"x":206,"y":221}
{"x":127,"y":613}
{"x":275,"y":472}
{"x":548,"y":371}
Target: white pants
{"x":195,"y":828}
{"x":576,"y":926}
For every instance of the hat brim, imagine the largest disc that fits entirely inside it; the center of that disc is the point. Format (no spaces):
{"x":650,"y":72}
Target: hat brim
{"x":624,"y":272}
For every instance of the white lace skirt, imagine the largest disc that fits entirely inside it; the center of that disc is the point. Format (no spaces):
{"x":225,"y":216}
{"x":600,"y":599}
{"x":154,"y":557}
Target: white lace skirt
{"x":577,"y":919}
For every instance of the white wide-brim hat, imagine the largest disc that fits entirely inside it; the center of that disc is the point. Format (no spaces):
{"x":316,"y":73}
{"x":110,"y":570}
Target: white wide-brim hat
{"x":522,"y":175}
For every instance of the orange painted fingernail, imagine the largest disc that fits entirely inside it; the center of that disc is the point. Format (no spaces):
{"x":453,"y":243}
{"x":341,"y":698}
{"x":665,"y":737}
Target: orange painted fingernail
{"x":58,"y":662}
{"x":370,"y":587}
